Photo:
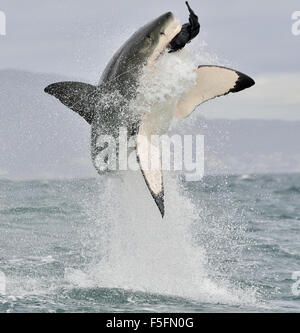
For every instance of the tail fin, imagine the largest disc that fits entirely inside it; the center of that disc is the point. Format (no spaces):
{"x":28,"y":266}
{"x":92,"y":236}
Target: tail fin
{"x":79,"y":97}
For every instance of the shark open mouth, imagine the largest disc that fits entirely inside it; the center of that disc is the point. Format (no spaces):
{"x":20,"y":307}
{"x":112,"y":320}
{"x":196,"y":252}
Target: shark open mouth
{"x":175,"y":36}
{"x":173,"y":29}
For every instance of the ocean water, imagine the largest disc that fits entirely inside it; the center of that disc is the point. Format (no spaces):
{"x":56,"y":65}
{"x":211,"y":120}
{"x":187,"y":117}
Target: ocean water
{"x":226,"y":244}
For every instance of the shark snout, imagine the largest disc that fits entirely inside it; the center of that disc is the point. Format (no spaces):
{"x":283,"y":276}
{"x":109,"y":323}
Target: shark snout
{"x":169,"y":15}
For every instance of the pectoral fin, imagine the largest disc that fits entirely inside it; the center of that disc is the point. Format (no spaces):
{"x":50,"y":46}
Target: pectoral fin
{"x":212,"y":82}
{"x":149,"y":158}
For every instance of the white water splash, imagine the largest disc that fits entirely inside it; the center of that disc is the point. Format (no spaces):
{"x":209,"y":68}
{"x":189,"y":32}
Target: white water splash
{"x":128,"y":244}
{"x":165,"y":81}
{"x":2,"y":283}
{"x":131,"y":247}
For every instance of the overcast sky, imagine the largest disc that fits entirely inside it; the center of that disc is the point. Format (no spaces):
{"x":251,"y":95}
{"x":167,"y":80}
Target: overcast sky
{"x":77,"y":37}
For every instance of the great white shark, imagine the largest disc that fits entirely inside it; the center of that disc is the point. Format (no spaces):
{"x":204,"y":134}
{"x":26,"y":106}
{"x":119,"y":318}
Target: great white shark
{"x":106,"y":107}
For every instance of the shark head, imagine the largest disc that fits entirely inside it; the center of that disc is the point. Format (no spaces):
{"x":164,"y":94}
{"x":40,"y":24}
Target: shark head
{"x":142,"y":48}
{"x":153,"y":38}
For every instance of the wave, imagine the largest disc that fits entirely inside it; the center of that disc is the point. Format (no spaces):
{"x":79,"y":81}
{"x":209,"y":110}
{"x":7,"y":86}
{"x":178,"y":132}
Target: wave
{"x":130,"y":247}
{"x":290,"y":190}
{"x":31,"y":210}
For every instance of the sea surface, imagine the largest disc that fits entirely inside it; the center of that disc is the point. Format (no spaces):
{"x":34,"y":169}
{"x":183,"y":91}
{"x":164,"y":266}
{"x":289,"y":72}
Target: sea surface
{"x":226,"y":244}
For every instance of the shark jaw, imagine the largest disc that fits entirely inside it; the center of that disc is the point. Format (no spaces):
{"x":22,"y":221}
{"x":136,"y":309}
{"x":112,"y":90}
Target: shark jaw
{"x":172,"y":28}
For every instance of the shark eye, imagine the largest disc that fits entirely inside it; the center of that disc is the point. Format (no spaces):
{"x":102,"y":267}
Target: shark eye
{"x":149,"y":38}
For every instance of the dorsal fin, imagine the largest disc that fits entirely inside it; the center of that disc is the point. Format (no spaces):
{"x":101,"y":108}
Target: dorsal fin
{"x":79,"y":97}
